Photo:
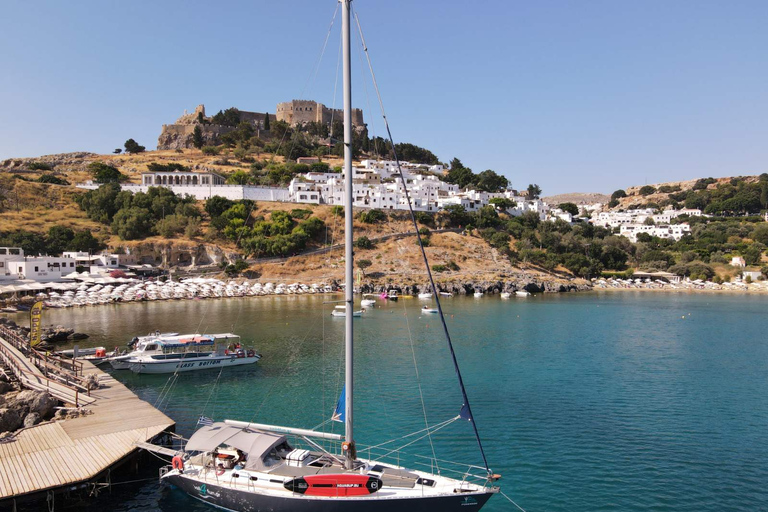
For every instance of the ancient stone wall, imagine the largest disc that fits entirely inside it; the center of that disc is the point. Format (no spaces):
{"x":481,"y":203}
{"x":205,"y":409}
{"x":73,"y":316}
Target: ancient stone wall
{"x":304,"y":111}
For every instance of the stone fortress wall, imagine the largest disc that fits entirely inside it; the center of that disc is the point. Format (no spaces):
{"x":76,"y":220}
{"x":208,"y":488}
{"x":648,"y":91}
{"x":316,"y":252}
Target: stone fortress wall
{"x":297,"y":112}
{"x":179,"y":134}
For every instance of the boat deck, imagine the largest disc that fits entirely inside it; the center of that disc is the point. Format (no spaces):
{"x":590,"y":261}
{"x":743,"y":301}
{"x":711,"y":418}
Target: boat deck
{"x":54,"y":454}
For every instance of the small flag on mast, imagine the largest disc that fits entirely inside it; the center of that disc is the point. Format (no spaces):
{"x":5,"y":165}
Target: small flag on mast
{"x":205,"y":421}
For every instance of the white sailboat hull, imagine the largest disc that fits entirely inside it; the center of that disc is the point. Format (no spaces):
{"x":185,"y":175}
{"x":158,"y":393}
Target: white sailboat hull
{"x":255,"y":492}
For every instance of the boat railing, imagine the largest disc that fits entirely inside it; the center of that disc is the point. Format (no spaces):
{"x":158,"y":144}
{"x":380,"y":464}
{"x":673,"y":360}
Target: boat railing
{"x":466,"y":473}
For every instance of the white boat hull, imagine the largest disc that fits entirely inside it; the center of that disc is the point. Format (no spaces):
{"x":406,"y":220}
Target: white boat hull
{"x":190,"y":364}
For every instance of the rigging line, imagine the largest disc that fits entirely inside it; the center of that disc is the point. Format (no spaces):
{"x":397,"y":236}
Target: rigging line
{"x":215,"y":383}
{"x":282,"y":139}
{"x":282,"y":373}
{"x":418,"y":381}
{"x":335,"y":92}
{"x":511,"y":501}
{"x":417,"y":440}
{"x":423,"y":253}
{"x":313,"y":75}
{"x":434,"y":427}
{"x":368,"y":103}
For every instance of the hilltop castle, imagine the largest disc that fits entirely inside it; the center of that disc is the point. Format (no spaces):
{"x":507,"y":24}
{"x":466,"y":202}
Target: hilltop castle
{"x":295,"y":112}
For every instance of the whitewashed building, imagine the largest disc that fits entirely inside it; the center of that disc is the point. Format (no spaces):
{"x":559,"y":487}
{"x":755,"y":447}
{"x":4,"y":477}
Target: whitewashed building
{"x":674,"y":231}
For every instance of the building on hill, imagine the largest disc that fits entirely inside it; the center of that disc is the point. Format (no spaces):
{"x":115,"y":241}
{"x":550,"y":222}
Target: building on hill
{"x":188,"y":178}
{"x":14,"y":265}
{"x":296,"y":112}
{"x":179,"y":135}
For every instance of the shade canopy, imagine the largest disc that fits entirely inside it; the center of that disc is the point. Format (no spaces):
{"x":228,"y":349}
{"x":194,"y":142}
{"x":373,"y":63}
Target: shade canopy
{"x":255,"y":444}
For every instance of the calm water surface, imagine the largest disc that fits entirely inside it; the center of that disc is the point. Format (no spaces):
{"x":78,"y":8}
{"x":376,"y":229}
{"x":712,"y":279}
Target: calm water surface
{"x":631,"y":401}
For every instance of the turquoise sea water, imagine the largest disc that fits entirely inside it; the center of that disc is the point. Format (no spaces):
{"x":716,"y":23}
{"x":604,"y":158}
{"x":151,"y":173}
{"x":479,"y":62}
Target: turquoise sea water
{"x":617,"y":401}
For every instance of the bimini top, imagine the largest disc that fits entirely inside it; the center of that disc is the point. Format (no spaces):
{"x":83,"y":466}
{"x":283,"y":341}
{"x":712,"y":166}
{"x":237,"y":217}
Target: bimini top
{"x":257,"y":445}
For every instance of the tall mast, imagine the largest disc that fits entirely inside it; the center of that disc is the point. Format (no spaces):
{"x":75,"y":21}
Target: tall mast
{"x":349,"y":445}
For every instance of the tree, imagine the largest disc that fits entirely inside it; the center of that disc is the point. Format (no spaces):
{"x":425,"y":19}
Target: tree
{"x":534,"y":191}
{"x":59,"y":237}
{"x":502,"y":203}
{"x":132,"y":223}
{"x":570,"y":208}
{"x":104,"y":173}
{"x":117,"y":151}
{"x":197,"y":137}
{"x":131,"y":146}
{"x":457,"y":215}
{"x":239,"y":177}
{"x":364,"y":242}
{"x":647,"y":190}
{"x":489,"y":181}
{"x":618,"y":194}
{"x":217,"y":205}
{"x":364,"y":264}
{"x":266,"y":121}
{"x":649,"y":221}
{"x":84,"y":241}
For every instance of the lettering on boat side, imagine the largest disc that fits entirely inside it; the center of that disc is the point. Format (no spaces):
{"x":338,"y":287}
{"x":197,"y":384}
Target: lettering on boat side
{"x":468,"y":501}
{"x":204,"y":492}
{"x":199,"y":364}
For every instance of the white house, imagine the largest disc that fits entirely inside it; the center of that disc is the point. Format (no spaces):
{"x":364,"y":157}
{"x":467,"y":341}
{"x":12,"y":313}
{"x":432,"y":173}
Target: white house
{"x":738,"y":261}
{"x":94,"y":262}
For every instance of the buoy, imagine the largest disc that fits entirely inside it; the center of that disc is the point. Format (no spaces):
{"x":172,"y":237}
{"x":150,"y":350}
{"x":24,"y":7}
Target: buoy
{"x":178,"y":463}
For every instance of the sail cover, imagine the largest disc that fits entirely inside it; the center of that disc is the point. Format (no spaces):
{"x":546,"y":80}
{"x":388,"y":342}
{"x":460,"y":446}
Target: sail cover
{"x":339,"y":414}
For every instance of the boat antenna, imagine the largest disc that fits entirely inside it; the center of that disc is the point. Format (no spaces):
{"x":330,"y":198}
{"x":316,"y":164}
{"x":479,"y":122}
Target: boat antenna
{"x":466,"y":411}
{"x":349,"y":444}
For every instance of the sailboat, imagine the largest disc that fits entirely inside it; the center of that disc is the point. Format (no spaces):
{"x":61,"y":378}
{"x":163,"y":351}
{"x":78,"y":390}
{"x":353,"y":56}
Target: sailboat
{"x":244,"y":466}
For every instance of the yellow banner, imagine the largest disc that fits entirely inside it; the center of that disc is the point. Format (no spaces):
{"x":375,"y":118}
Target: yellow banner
{"x":35,"y":323}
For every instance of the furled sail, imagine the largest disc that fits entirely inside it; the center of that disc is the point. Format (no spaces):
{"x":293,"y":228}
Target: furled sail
{"x":341,"y":406}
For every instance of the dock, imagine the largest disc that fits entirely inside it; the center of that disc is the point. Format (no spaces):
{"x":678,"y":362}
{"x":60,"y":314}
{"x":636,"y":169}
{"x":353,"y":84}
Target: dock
{"x":54,"y":456}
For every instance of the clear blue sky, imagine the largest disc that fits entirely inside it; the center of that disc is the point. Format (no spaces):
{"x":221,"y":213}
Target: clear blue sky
{"x":577,"y":96}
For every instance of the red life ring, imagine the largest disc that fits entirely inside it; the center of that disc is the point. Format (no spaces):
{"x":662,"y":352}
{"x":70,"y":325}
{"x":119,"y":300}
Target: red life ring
{"x":178,"y":463}
{"x":220,"y":470}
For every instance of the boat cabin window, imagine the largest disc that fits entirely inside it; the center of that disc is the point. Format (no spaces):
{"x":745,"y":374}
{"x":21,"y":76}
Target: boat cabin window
{"x":151,"y":346}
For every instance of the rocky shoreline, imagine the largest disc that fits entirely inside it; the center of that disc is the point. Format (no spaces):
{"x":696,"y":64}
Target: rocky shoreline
{"x":489,"y":287}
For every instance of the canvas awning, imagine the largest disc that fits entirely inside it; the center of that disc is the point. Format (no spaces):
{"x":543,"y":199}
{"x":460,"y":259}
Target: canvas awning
{"x":255,"y":444}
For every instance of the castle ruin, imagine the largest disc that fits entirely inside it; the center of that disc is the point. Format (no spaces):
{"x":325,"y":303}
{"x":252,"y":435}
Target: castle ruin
{"x":297,"y":112}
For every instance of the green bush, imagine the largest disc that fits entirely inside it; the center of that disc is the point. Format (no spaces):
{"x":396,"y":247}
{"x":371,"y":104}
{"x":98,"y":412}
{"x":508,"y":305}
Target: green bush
{"x":210,"y":150}
{"x":50,"y":178}
{"x":104,"y":173}
{"x":372,"y":216}
{"x":39,"y":166}
{"x":364,"y":242}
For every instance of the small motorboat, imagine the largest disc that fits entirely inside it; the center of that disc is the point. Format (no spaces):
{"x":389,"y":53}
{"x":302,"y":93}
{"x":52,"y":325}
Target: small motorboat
{"x":478,"y":294}
{"x":340,"y":311}
{"x":505,"y":295}
{"x":367,"y":302}
{"x":446,"y":294}
{"x":392,"y":295}
{"x":426,"y":310}
{"x":425,"y":295}
{"x":522,"y":293}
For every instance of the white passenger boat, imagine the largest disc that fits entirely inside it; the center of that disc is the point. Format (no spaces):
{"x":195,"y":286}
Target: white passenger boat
{"x":197,"y":353}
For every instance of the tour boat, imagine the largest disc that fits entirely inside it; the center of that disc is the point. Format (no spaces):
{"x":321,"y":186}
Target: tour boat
{"x":244,"y":466}
{"x":198,"y":353}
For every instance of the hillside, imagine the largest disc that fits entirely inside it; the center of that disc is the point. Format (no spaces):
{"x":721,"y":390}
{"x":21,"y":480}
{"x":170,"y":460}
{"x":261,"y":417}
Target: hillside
{"x":36,"y":207}
{"x":577,"y":198}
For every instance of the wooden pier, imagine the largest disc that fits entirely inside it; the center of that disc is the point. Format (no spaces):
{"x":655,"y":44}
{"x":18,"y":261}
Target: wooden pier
{"x":56,"y":455}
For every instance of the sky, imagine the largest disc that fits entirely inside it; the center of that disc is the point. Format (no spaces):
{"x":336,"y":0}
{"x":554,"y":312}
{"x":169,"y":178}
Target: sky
{"x":576,"y":96}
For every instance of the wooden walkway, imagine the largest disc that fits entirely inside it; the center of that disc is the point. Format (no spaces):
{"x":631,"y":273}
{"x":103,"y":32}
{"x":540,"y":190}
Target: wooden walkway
{"x":54,"y":454}
{"x":31,"y":377}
